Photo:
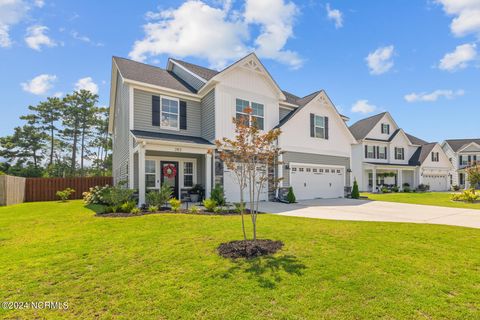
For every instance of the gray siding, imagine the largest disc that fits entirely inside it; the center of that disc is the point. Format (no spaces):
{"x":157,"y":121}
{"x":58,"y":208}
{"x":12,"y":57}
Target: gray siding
{"x":121,"y":133}
{"x":194,"y":82}
{"x":199,"y":157}
{"x":208,"y":116}
{"x":312,"y":158}
{"x":142,"y":118}
{"x":283,"y":113}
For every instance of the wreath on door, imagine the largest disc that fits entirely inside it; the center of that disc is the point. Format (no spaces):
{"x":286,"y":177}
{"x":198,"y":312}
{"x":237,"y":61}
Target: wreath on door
{"x":169,"y":171}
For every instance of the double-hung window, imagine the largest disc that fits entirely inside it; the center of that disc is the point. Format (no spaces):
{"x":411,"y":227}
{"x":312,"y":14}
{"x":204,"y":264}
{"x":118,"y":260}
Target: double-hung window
{"x":435,"y":156}
{"x":256,"y":118}
{"x":169,"y":113}
{"x":150,"y":173}
{"x":385,"y":128}
{"x":382,"y":153}
{"x":370,"y":152}
{"x":188,"y":174}
{"x":319,"y":126}
{"x":399,"y":154}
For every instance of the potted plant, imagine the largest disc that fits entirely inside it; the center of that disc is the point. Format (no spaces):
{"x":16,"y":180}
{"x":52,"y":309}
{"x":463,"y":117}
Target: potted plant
{"x":196,"y":193}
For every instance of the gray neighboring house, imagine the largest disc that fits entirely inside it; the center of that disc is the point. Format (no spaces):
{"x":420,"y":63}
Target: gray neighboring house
{"x":462,"y":153}
{"x":164,"y":123}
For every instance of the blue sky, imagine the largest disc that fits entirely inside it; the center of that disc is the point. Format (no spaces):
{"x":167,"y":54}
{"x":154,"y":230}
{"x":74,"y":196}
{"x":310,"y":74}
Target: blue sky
{"x":423,"y":65}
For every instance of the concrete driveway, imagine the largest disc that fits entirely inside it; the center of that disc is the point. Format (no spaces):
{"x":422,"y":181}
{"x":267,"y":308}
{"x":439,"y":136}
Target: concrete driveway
{"x":365,"y":210}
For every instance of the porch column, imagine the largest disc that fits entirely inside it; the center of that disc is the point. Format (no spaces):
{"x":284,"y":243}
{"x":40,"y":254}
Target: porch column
{"x":208,"y":174}
{"x":416,"y":176}
{"x":374,"y":179}
{"x":141,"y":175}
{"x":279,"y":174}
{"x":400,"y":178}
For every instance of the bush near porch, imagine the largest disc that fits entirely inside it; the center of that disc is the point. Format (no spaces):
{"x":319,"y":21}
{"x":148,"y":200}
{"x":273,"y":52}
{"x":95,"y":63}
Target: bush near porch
{"x":442,"y":199}
{"x":166,"y":267}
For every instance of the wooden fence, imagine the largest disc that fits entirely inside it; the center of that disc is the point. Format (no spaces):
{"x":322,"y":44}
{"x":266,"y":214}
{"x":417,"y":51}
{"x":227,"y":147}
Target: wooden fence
{"x":45,"y":189}
{"x":12,"y":190}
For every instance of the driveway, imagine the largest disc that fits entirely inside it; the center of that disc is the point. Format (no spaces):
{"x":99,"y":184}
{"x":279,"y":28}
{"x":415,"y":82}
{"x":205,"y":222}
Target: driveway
{"x":365,"y":210}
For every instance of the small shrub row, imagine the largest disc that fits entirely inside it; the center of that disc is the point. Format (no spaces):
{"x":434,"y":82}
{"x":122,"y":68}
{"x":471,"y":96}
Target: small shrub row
{"x":466,"y":196}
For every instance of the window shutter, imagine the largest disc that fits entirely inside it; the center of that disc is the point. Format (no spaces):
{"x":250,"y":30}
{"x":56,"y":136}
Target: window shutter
{"x":366,"y":152}
{"x":396,"y":158}
{"x":385,"y":152}
{"x":326,"y":128}
{"x":156,"y":111}
{"x":312,"y":125}
{"x":433,"y":155}
{"x":461,"y":158}
{"x":183,"y":115}
{"x":469,"y":160}
{"x":388,"y":129}
{"x":377,"y":151}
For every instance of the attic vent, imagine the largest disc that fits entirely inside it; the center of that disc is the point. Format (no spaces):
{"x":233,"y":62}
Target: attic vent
{"x":251,"y":64}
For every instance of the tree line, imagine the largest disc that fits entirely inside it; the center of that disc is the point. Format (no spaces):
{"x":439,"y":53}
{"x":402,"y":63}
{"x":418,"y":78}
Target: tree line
{"x":60,"y":137}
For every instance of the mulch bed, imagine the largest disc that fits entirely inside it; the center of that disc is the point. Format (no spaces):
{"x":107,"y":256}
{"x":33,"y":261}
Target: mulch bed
{"x":249,"y":248}
{"x":143,"y":213}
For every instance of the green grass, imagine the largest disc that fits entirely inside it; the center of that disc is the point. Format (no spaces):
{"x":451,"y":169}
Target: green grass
{"x":442,"y":199}
{"x":166,"y":267}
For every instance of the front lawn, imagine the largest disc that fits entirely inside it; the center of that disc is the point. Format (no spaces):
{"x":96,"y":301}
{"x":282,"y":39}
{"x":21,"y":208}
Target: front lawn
{"x":166,"y":267}
{"x":442,"y":199}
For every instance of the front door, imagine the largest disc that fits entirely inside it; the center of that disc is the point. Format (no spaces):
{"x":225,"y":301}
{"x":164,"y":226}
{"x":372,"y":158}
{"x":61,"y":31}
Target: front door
{"x":169,"y":175}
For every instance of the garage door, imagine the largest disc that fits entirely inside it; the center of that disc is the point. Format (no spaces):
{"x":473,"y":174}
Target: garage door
{"x":436,"y":182}
{"x":312,"y":181}
{"x":232,"y":189}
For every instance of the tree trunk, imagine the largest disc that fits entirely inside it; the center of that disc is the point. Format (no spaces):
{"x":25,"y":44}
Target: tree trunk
{"x":74,"y":149}
{"x":82,"y":150}
{"x":52,"y":141}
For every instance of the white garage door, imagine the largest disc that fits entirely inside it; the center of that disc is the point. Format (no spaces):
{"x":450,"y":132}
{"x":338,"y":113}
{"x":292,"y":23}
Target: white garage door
{"x":312,"y":181}
{"x":232,"y":189}
{"x":436,"y":182}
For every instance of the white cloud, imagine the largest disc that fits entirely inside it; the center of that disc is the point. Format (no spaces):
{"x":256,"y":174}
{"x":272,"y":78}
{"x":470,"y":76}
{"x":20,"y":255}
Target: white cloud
{"x":36,"y":38}
{"x":433,"y":96}
{"x":39,"y":3}
{"x":381,"y":60}
{"x":466,"y":16}
{"x":83,"y":38}
{"x":335,"y":15}
{"x":11,"y":13}
{"x":40,"y":84}
{"x":459,"y":58}
{"x":86,"y":84}
{"x":219,"y":34}
{"x":363,"y":106}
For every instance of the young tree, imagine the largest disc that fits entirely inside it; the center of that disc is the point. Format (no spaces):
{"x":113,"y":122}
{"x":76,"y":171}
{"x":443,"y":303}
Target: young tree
{"x":248,"y":156}
{"x":473,"y":174}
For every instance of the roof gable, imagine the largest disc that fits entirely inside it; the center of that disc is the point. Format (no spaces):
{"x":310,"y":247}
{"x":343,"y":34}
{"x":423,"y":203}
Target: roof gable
{"x":457,"y":144}
{"x":421,"y":154}
{"x":362,"y":128}
{"x":471,"y":147}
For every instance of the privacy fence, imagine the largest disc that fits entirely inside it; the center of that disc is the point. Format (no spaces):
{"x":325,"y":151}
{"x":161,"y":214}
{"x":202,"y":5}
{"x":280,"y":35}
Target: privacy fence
{"x":17,"y":190}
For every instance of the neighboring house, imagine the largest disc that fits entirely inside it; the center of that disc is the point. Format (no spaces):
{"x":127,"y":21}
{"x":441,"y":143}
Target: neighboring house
{"x":164,"y":123}
{"x":388,"y":156}
{"x":462,"y":153}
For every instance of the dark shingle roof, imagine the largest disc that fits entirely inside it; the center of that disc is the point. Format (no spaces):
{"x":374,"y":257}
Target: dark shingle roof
{"x":421,"y":154}
{"x":392,"y":164}
{"x":301,"y":102}
{"x":169,"y":137}
{"x":416,"y":140}
{"x":200,"y":71}
{"x":291,"y":98}
{"x":361,"y":128}
{"x":141,"y":72}
{"x":457,"y":144}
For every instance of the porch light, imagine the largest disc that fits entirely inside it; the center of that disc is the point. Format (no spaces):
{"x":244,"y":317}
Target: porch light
{"x":349,"y":170}
{"x":287,"y":167}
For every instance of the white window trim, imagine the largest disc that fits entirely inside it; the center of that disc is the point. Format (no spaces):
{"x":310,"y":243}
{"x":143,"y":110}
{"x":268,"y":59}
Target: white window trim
{"x":249,"y":103}
{"x":177,"y":128}
{"x":368,"y":152}
{"x":315,"y":126}
{"x":180,"y":172}
{"x":154,"y":174}
{"x":400,"y":155}
{"x":387,"y":127}
{"x":382,"y":155}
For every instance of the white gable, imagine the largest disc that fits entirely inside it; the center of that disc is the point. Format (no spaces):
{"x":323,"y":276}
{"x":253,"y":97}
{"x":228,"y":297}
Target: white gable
{"x":443,"y":163}
{"x":376,"y":132}
{"x":472,"y":147}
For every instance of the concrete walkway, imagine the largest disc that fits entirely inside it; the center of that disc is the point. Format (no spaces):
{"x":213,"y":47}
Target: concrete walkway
{"x":365,"y":210}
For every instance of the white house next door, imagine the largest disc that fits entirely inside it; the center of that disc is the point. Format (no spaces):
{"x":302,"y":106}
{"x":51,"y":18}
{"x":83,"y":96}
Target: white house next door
{"x":312,"y":181}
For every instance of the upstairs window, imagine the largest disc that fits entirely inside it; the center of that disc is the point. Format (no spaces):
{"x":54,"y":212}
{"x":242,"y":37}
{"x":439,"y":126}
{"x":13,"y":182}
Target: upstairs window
{"x":319,"y":127}
{"x":399,"y":154}
{"x":385,"y":128}
{"x":169,"y":114}
{"x":257,"y":116}
{"x":382,"y":153}
{"x":435,"y":157}
{"x":370,"y":152}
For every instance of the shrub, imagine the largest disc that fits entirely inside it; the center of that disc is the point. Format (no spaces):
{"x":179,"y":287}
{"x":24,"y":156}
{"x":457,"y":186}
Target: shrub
{"x":116,"y":196}
{"x":210,"y":204}
{"x":159,"y":198}
{"x":385,"y":190}
{"x":455,"y":188}
{"x":406,"y":184}
{"x":218,"y":210}
{"x":291,"y":196}
{"x":406,"y":189}
{"x":193,"y":210}
{"x":355,"y":192}
{"x":218,"y":195}
{"x":395,"y":189}
{"x":96,"y":195}
{"x":127,"y":206}
{"x":152,"y":208}
{"x":135,"y":210}
{"x":175,"y":204}
{"x":467,"y":196}
{"x":423,"y":187}
{"x":64,"y":195}
{"x":239,"y":207}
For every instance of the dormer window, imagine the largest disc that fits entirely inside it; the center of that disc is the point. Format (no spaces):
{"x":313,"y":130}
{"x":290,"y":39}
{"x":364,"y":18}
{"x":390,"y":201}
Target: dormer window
{"x":435,"y":157}
{"x":256,"y":118}
{"x":399,"y":153}
{"x":385,"y":128}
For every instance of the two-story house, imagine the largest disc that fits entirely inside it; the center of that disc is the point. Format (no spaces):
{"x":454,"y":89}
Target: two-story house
{"x":388,"y":156}
{"x":462,"y":153}
{"x":164,"y":123}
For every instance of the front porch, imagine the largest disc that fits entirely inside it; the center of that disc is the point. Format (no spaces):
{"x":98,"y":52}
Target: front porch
{"x":179,"y":165}
{"x":389,"y":176}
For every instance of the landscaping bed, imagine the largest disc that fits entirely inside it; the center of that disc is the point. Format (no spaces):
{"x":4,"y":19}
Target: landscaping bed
{"x":249,"y":248}
{"x":166,"y":211}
